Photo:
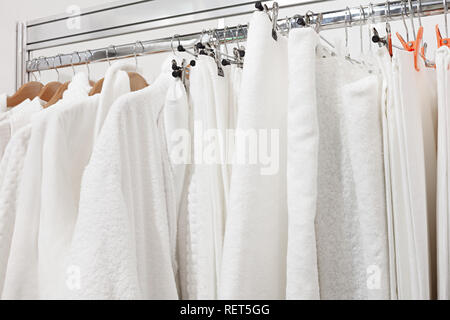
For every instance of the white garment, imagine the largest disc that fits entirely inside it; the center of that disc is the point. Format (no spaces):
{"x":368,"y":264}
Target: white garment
{"x":302,"y":167}
{"x":15,"y":119}
{"x":115,"y":81}
{"x":352,"y":242}
{"x":11,"y":171}
{"x":390,"y":154}
{"x":60,"y":147}
{"x":442,"y":211}
{"x":11,"y":167}
{"x":416,"y":107}
{"x":206,"y":204}
{"x":122,"y":242}
{"x":254,"y":257}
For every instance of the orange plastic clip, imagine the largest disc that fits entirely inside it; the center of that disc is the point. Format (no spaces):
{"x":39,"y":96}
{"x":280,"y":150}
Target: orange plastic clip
{"x":413,"y":45}
{"x":389,"y":42}
{"x":441,"y":41}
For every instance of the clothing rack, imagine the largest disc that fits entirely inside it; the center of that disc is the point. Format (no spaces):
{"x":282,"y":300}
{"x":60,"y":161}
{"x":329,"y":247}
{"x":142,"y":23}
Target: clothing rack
{"x":387,"y":11}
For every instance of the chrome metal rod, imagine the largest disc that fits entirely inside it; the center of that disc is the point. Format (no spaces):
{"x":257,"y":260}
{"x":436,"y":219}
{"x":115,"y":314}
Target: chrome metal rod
{"x":391,"y":10}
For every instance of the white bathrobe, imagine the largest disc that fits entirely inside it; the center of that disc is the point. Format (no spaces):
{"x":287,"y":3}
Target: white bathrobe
{"x":122,"y":247}
{"x":59,"y":148}
{"x":254,"y":257}
{"x":11,"y":172}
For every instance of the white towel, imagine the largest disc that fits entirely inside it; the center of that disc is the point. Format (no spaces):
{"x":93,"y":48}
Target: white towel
{"x":416,"y":108}
{"x":302,"y":166}
{"x":254,"y":258}
{"x":352,"y":242}
{"x":442,"y":214}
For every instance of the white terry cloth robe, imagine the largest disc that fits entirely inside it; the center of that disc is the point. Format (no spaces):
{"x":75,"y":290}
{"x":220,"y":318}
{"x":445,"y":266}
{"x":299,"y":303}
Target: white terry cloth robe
{"x":393,"y":185}
{"x":11,"y":171}
{"x":442,"y":205}
{"x":351,"y":231}
{"x":302,"y":167}
{"x":206,"y":205}
{"x":416,"y":109}
{"x":59,"y":148}
{"x":16,"y":118}
{"x":121,"y":244}
{"x":255,"y":244}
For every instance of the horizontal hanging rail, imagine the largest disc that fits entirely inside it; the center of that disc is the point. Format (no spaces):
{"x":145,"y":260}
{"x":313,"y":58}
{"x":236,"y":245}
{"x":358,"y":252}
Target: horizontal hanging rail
{"x":386,"y":11}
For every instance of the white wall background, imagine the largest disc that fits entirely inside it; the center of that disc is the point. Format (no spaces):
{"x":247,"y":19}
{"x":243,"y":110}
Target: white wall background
{"x":12,"y":11}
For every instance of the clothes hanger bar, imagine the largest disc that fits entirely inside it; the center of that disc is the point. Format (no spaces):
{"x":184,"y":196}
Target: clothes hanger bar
{"x":329,"y":20}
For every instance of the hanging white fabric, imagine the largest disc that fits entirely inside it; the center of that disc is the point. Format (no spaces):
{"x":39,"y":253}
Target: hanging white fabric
{"x":442,"y":205}
{"x":254,"y":258}
{"x":415,"y":225}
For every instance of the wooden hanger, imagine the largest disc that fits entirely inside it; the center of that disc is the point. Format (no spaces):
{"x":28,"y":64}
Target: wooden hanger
{"x":29,"y":90}
{"x":58,"y":95}
{"x":50,"y":88}
{"x":97,"y":87}
{"x":137,"y":82}
{"x":48,"y":91}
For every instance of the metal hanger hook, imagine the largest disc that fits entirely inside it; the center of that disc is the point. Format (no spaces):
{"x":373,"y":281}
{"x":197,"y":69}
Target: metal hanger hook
{"x":403,"y":11}
{"x":419,"y":11}
{"x":225,"y":29}
{"x":445,"y":17}
{"x":115,"y":51}
{"x":135,"y":51}
{"x":348,"y":19}
{"x":308,"y":17}
{"x":387,"y":10}
{"x":35,"y":63}
{"x":71,"y":64}
{"x":411,"y":17}
{"x":107,"y":55}
{"x":79,"y":57}
{"x":171,"y":44}
{"x":57,"y":71}
{"x":87,"y":62}
{"x":362,"y":16}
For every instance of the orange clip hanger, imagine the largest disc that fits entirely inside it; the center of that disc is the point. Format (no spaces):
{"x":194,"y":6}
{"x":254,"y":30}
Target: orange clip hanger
{"x":389,"y":43}
{"x":413,"y":45}
{"x":441,"y":41}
